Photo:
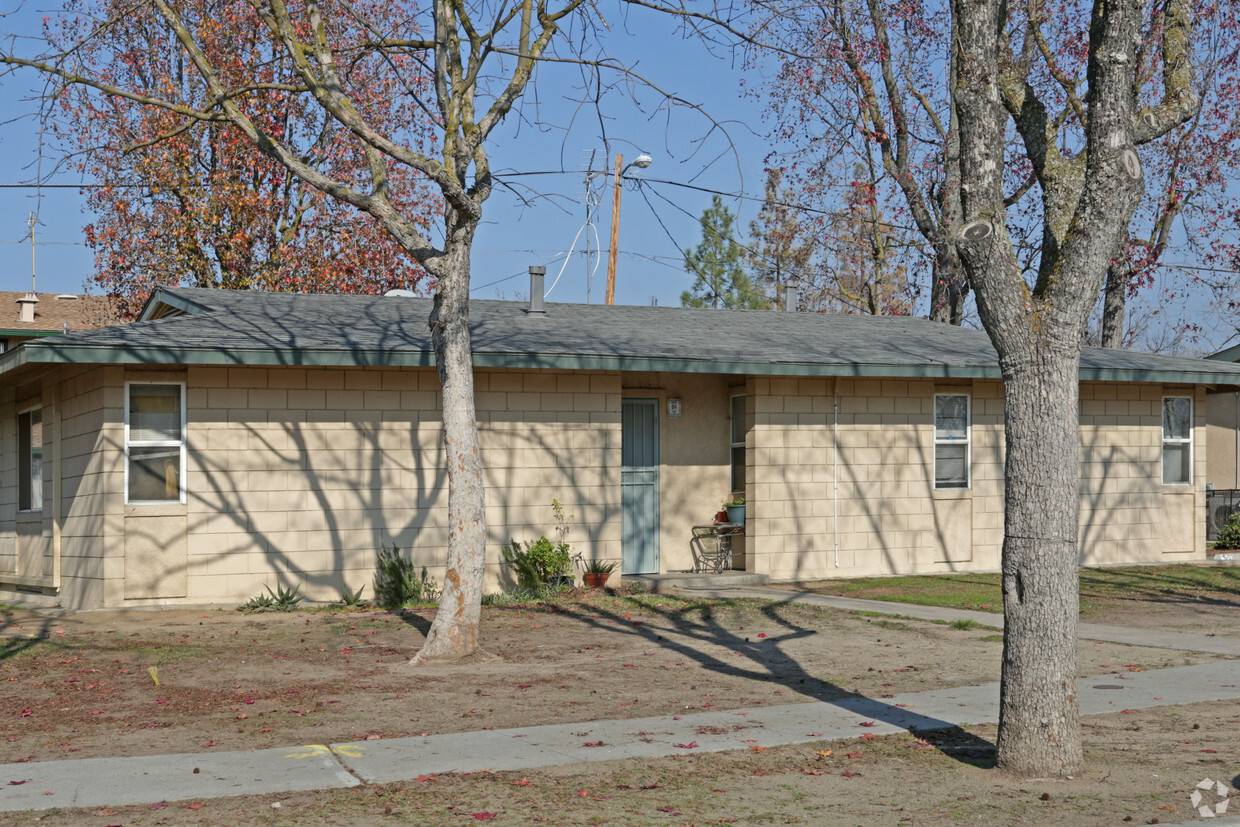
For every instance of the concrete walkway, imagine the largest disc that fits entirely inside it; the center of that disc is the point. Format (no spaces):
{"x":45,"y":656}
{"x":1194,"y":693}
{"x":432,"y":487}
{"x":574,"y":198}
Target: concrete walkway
{"x":92,"y":782}
{"x":1158,"y":638}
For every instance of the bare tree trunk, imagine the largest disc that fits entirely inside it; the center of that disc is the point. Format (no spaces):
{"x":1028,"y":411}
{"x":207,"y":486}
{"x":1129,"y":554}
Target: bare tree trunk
{"x":454,"y":632}
{"x":948,"y":288}
{"x":1114,"y":303}
{"x":1039,"y":730}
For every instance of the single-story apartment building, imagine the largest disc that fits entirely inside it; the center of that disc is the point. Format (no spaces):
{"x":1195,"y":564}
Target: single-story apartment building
{"x":229,"y":441}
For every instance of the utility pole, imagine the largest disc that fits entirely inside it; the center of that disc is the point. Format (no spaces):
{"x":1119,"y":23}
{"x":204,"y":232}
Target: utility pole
{"x":641,"y":162}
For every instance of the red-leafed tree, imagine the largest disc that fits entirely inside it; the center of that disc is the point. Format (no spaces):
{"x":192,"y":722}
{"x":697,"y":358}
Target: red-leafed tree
{"x":189,"y":201}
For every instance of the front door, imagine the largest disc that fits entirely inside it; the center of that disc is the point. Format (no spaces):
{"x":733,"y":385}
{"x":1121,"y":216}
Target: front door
{"x":639,"y":486}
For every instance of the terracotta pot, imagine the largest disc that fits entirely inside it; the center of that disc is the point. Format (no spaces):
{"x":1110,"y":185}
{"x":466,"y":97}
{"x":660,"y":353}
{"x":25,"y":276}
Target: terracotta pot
{"x":596,"y":579}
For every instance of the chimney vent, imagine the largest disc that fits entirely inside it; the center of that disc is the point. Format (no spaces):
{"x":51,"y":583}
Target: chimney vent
{"x":537,"y":272}
{"x":790,"y":299}
{"x":26,"y":303}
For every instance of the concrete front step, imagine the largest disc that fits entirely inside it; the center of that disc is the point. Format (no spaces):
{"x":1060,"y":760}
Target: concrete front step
{"x":672,"y":580}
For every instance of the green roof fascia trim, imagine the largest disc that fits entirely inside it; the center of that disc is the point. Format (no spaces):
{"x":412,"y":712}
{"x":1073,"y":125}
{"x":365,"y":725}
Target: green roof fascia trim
{"x":53,"y":353}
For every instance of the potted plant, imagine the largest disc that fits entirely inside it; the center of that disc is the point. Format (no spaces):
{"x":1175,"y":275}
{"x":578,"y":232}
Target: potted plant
{"x":736,"y":509}
{"x":597,"y":572}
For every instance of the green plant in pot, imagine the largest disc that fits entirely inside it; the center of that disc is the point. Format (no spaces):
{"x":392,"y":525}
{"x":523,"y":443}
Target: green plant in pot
{"x":735,"y":507}
{"x":597,"y":571}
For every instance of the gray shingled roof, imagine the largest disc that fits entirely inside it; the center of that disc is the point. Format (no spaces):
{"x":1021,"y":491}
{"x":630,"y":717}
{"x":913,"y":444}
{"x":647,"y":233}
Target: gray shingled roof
{"x":254,"y":328}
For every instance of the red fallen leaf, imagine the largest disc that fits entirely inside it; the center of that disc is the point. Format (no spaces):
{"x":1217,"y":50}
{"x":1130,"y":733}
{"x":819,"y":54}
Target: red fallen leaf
{"x":425,"y":778}
{"x":234,"y":708}
{"x":584,"y":793}
{"x":637,"y":623}
{"x":761,"y":634}
{"x":17,"y":783}
{"x":756,"y":748}
{"x":347,"y":652}
{"x":160,"y":805}
{"x":594,"y":744}
{"x":197,"y":805}
{"x":161,"y":700}
{"x":718,"y":790}
{"x":1128,"y":712}
{"x":1209,"y":750}
{"x":249,"y":700}
{"x":866,"y":723}
{"x":27,"y":712}
{"x":869,"y":735}
{"x":524,"y":782}
{"x":985,"y":607}
{"x":484,"y":816}
{"x":814,"y":734}
{"x":266,"y":729}
{"x":242,"y":716}
{"x":848,"y":774}
{"x":852,"y":755}
{"x":690,"y":745}
{"x":211,"y":743}
{"x":524,"y":686}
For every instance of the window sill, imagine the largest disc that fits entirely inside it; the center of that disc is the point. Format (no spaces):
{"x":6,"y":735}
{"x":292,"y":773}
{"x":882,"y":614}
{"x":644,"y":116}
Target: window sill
{"x":951,"y":493}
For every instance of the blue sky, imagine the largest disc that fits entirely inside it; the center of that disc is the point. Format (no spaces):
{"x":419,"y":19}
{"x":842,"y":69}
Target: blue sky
{"x":659,"y":220}
{"x":514,"y":235}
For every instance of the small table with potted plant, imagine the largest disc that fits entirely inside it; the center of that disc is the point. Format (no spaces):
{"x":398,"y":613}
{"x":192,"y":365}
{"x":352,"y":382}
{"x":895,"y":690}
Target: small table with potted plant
{"x":712,"y":544}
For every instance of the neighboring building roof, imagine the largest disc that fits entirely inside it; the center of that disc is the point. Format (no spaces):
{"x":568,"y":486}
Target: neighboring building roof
{"x":1231,"y":354}
{"x":223,"y":327}
{"x":52,"y":312}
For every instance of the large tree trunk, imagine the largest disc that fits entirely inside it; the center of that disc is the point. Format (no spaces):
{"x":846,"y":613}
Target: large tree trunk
{"x":1039,"y":731}
{"x":454,"y":632}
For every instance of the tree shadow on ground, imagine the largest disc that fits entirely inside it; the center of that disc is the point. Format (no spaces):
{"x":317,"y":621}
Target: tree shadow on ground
{"x":690,"y":621}
{"x":19,"y":635}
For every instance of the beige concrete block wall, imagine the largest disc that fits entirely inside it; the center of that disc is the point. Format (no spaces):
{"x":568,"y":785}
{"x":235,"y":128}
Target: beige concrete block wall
{"x":92,"y":523}
{"x":298,"y":476}
{"x":891,"y":519}
{"x":71,"y":402}
{"x":868,"y":506}
{"x":1222,"y":416}
{"x":1127,"y":514}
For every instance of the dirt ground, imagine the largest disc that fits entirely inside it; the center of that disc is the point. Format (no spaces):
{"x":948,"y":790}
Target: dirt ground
{"x":82,"y":685}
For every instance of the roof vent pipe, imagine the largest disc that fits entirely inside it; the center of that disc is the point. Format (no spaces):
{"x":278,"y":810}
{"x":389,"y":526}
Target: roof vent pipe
{"x":537,"y":272}
{"x":25,"y":310}
{"x":790,"y":299}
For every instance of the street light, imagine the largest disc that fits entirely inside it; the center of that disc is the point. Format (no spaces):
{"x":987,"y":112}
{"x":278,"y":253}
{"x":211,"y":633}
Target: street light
{"x":641,"y":162}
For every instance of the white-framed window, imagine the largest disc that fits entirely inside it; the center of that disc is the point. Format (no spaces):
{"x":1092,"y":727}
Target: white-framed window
{"x":737,"y":442}
{"x":951,"y":440}
{"x":1177,"y":440}
{"x":30,"y":460}
{"x":154,"y":442}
